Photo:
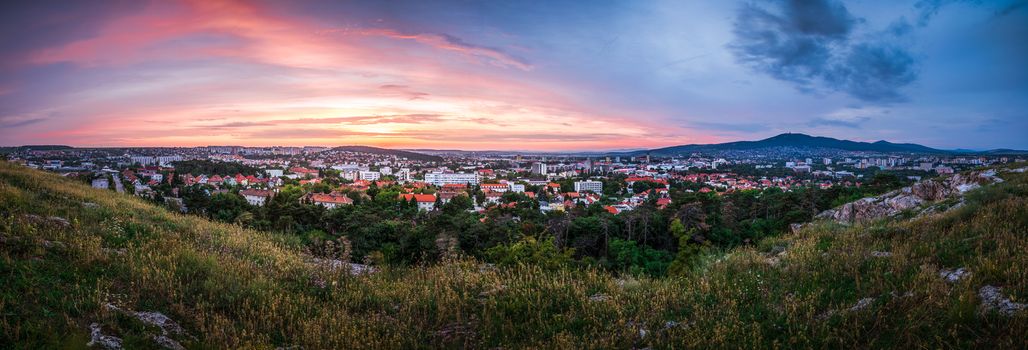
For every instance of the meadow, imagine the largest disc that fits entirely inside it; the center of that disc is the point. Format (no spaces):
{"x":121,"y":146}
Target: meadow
{"x":72,"y":256}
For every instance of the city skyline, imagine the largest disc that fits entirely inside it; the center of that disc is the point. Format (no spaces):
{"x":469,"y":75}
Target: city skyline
{"x":533,"y":76}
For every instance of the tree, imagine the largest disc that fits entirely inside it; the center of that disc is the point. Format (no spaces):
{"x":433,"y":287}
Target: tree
{"x":458,"y":203}
{"x":195,"y":198}
{"x":372,"y":189}
{"x":530,"y":251}
{"x":227,"y":206}
{"x":629,"y":256}
{"x":688,"y":251}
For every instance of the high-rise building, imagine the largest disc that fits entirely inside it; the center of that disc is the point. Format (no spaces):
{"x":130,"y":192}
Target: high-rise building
{"x":539,"y":168}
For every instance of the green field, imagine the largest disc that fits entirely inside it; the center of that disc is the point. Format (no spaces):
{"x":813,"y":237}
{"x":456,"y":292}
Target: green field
{"x":68,"y":250}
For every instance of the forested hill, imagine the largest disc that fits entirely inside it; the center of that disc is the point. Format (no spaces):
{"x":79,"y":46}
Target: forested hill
{"x":797,"y":141}
{"x":85,"y":266}
{"x":393,"y":152}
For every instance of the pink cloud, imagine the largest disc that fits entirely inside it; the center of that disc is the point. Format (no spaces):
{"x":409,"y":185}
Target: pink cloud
{"x":269,"y":78}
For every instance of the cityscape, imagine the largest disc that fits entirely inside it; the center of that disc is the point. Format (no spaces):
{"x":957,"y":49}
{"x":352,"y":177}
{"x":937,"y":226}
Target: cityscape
{"x":537,"y":174}
{"x":331,"y":177}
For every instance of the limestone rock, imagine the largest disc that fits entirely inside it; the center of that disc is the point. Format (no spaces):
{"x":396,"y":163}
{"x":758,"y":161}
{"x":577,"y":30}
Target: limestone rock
{"x":895,"y":202}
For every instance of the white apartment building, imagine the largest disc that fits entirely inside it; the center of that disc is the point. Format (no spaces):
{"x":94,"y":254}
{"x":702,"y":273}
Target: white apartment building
{"x":589,"y":185}
{"x":440,"y":178}
{"x":403,"y":175}
{"x":162,"y":160}
{"x":539,"y":168}
{"x":370,"y":175}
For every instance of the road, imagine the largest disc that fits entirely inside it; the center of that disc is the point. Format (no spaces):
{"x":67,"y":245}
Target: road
{"x":117,"y":183}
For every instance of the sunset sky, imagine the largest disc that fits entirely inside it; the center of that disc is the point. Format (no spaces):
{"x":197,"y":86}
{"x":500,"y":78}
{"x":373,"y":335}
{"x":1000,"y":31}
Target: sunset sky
{"x":512,"y":75}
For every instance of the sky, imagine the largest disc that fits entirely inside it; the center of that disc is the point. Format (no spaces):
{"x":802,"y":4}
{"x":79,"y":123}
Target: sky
{"x":512,"y":75}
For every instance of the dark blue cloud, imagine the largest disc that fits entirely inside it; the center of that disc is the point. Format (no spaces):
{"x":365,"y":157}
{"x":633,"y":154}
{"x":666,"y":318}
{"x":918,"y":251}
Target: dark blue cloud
{"x":810,"y":44}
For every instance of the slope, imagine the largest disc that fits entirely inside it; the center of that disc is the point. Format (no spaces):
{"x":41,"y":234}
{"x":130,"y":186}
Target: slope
{"x":73,"y":257}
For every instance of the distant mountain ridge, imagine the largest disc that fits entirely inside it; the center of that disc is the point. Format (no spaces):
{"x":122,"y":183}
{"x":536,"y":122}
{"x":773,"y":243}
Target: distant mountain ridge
{"x":386,"y":151}
{"x":798,"y":141}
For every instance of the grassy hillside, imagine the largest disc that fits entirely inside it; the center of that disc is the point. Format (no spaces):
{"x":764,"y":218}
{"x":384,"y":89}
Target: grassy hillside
{"x":68,"y":250}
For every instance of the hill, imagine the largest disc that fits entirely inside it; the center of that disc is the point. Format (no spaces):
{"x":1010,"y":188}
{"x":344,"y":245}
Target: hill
{"x":797,"y":141}
{"x":80,"y":264}
{"x":386,"y":151}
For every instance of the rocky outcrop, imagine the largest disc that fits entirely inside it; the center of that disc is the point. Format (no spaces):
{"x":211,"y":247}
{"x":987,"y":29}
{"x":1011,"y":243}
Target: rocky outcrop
{"x":162,"y":321}
{"x":97,"y":338}
{"x":993,"y":299}
{"x":895,"y":202}
{"x":336,"y":264}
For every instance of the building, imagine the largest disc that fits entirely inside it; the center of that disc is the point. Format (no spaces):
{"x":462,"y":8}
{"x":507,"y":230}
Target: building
{"x":539,"y":168}
{"x":403,"y":175}
{"x":425,"y":201}
{"x":369,"y":175}
{"x":517,"y":188}
{"x":256,"y":197}
{"x":440,"y":178}
{"x":495,"y":187}
{"x":160,"y":160}
{"x":274,"y":172}
{"x":589,"y":185}
{"x":304,"y":172}
{"x":101,"y":183}
{"x":330,"y":200}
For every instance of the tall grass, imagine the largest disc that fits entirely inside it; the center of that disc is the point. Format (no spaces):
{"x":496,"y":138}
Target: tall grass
{"x":235,"y":288}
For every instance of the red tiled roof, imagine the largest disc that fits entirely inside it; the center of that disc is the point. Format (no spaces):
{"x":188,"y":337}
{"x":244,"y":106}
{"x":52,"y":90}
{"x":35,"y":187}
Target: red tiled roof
{"x":421,"y":198}
{"x":256,"y":193}
{"x":330,"y":198}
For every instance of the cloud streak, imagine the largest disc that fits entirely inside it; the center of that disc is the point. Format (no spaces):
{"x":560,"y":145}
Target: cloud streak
{"x":443,"y":42}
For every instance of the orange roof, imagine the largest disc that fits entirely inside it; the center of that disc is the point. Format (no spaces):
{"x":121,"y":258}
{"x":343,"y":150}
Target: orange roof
{"x":421,"y":198}
{"x":256,"y":193}
{"x":611,"y":209}
{"x":330,"y":198}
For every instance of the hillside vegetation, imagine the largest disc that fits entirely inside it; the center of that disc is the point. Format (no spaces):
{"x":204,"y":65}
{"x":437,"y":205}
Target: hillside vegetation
{"x":80,"y":265}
